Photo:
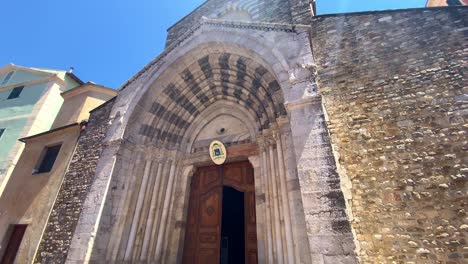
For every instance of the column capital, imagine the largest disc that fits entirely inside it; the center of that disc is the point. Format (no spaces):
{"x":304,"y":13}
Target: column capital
{"x":283,"y":122}
{"x":188,"y":170}
{"x":255,"y":161}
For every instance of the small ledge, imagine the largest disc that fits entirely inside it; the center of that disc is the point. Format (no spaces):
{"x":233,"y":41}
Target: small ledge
{"x":255,"y":25}
{"x":292,"y":105}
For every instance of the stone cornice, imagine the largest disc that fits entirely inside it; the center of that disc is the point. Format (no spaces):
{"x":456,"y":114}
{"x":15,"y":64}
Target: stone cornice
{"x":206,"y":22}
{"x":255,"y":25}
{"x":88,"y":87}
{"x":292,"y":105}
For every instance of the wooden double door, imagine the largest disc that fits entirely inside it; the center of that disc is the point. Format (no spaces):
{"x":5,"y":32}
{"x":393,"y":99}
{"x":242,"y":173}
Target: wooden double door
{"x":207,"y":241}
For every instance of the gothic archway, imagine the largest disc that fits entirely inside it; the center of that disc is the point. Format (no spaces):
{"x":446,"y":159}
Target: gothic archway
{"x":162,"y":119}
{"x":216,"y":76}
{"x":168,"y":130}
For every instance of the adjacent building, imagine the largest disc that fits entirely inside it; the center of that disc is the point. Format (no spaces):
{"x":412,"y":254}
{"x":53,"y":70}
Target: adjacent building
{"x":434,"y":3}
{"x":33,"y":185}
{"x":29,"y":102}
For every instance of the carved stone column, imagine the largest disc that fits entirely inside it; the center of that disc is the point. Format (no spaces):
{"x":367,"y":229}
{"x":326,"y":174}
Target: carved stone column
{"x":267,"y":196}
{"x":260,"y":208}
{"x":175,"y":245}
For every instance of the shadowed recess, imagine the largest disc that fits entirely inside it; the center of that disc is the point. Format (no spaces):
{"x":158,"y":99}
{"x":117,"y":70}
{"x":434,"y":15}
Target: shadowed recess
{"x":219,"y":76}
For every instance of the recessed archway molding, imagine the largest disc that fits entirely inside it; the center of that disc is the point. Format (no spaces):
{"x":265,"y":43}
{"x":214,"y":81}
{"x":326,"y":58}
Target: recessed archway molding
{"x":219,"y":70}
{"x":274,"y":46}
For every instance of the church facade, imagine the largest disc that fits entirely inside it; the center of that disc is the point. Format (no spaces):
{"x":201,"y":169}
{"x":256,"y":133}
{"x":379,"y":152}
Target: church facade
{"x":345,"y":139}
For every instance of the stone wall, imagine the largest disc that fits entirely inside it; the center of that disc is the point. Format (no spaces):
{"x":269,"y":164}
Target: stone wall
{"x":66,"y":211}
{"x":328,"y":229}
{"x":300,"y":11}
{"x":394,"y":87}
{"x":272,"y":11}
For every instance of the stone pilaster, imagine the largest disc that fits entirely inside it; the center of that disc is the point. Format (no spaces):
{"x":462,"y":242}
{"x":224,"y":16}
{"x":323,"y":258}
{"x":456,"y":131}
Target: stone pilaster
{"x":328,"y":228}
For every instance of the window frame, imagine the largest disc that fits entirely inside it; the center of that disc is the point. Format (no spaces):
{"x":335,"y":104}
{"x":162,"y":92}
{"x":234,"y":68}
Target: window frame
{"x":15,"y":234}
{"x":13,"y":92}
{"x":43,"y":156}
{"x":452,"y":3}
{"x":7,"y":77}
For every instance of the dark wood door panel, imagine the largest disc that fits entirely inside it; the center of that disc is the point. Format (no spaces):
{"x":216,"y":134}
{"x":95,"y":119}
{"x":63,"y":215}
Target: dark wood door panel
{"x":250,"y":228}
{"x":210,"y":177}
{"x":234,"y":177}
{"x":190,"y":243}
{"x":239,"y":176}
{"x":203,"y":229}
{"x":209,"y":214}
{"x":210,"y":209}
{"x":208,"y":256}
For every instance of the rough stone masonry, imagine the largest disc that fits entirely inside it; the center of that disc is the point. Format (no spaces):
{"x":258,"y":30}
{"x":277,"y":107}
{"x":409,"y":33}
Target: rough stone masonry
{"x":78,"y":179}
{"x":395,"y":90}
{"x":394,"y":100}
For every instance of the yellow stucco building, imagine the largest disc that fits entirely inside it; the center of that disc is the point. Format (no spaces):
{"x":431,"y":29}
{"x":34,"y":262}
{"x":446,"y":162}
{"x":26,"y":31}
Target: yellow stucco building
{"x":29,"y":103}
{"x":435,"y":3}
{"x":34,"y":183}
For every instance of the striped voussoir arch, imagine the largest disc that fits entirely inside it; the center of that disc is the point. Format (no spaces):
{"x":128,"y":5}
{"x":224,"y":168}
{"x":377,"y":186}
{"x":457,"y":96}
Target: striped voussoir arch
{"x":220,"y":76}
{"x":250,"y":6}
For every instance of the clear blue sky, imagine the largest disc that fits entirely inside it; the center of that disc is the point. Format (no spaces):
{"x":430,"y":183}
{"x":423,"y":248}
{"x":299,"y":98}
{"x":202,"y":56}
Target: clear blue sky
{"x":107,"y":41}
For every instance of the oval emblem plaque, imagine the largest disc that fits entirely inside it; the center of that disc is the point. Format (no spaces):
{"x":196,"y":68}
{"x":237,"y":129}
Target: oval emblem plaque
{"x":218,"y":152}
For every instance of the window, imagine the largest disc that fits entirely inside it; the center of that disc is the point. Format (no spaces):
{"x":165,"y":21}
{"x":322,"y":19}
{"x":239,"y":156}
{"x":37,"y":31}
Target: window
{"x":7,"y":78}
{"x":2,"y":130}
{"x":48,"y":159}
{"x":15,"y":93}
{"x":17,"y":233}
{"x":453,"y":2}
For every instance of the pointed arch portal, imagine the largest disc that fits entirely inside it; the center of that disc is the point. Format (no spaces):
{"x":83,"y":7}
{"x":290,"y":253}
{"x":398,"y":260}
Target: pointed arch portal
{"x":215,"y":77}
{"x":176,"y":119}
{"x":249,"y":85}
{"x":178,"y":116}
